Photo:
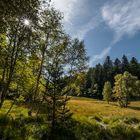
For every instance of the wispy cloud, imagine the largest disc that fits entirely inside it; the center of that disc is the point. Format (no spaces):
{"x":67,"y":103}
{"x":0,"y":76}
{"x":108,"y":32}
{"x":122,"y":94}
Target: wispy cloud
{"x":83,"y":30}
{"x":67,"y":7}
{"x":123,"y":17}
{"x":78,"y":18}
{"x":100,"y":56}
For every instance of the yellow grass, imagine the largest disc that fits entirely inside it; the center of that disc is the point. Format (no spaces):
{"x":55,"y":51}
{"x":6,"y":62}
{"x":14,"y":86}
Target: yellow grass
{"x":84,"y":107}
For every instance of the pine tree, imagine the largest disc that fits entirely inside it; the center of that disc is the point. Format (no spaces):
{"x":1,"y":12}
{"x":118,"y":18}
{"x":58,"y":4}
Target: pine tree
{"x":108,"y":70}
{"x":98,"y":78}
{"x":117,"y":66}
{"x":134,"y":67}
{"x":124,"y":64}
{"x":89,"y":82}
{"x":57,"y":87}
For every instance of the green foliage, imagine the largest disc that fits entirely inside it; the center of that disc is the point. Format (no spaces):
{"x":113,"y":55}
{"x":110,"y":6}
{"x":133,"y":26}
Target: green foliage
{"x":124,"y":132}
{"x":101,"y":73}
{"x":34,"y":59}
{"x":56,"y":90}
{"x":125,"y":87}
{"x":107,"y":91}
{"x":131,"y":120}
{"x":27,"y":128}
{"x":15,"y":41}
{"x":34,"y":128}
{"x":94,"y":127}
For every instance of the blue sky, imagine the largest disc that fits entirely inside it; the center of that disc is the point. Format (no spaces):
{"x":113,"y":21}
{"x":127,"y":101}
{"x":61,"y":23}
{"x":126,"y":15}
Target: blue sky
{"x":108,"y":27}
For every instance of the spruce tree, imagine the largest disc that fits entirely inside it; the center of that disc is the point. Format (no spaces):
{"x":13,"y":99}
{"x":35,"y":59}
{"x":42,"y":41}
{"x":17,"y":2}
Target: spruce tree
{"x":124,"y":64}
{"x":117,"y":66}
{"x":134,"y":67}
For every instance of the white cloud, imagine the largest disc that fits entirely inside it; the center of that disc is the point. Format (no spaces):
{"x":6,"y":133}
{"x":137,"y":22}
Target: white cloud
{"x":123,"y":17}
{"x":100,"y":56}
{"x":78,"y":18}
{"x":83,"y":30}
{"x":67,"y":7}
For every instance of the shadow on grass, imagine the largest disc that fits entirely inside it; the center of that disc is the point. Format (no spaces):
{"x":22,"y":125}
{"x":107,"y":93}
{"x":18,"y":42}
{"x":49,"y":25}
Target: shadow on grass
{"x":36,"y":129}
{"x":134,"y":107}
{"x":130,"y":107}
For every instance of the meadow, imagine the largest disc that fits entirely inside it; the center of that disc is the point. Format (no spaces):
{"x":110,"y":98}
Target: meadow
{"x":87,"y":107}
{"x":100,"y":120}
{"x":82,"y":107}
{"x":91,"y":119}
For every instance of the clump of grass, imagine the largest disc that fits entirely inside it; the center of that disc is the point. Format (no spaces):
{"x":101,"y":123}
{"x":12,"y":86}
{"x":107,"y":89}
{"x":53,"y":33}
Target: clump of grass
{"x":131,"y":120}
{"x":114,"y":120}
{"x":124,"y":132}
{"x":106,"y":120}
{"x":96,"y":117}
{"x":21,"y":128}
{"x":138,"y":127}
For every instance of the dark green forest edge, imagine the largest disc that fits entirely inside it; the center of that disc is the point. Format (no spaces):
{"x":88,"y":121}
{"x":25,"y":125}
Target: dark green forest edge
{"x":41,"y":67}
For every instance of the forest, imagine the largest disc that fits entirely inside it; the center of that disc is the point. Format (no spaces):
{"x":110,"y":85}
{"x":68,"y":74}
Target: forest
{"x":101,"y":73}
{"x":46,"y":84}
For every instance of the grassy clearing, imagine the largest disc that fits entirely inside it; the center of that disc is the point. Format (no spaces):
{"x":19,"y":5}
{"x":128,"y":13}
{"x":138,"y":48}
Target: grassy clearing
{"x":100,"y":120}
{"x":84,"y":108}
{"x":92,"y":119}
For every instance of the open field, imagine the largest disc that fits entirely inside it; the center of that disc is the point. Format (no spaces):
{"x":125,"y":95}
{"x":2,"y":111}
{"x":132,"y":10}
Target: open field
{"x":85,"y":108}
{"x":92,"y":119}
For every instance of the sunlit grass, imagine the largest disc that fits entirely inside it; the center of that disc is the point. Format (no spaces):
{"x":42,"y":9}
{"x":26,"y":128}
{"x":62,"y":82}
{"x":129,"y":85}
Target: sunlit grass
{"x":15,"y":111}
{"x":85,"y":108}
{"x":93,"y":119}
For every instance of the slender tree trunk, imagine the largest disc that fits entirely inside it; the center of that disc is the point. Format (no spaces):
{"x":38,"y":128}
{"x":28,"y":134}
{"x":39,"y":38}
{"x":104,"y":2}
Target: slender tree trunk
{"x":37,"y":82}
{"x":53,"y":113}
{"x":12,"y":67}
{"x":9,"y":110}
{"x":14,"y":55}
{"x":39,"y":75}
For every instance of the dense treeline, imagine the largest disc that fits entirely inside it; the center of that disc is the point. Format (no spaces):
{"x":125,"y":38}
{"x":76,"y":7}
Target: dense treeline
{"x":101,"y":73}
